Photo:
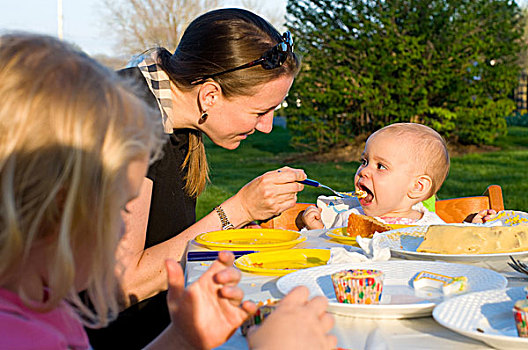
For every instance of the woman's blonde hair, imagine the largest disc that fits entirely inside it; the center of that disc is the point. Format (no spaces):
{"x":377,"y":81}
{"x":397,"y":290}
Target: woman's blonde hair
{"x":68,"y":130}
{"x":216,"y":41}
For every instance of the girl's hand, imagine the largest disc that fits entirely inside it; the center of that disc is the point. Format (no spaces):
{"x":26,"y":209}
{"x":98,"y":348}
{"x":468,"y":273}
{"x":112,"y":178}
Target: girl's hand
{"x":207,"y":313}
{"x":297,"y":323}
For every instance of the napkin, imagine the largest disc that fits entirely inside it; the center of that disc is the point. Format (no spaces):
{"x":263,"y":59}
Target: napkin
{"x":332,"y":205}
{"x":371,"y":247}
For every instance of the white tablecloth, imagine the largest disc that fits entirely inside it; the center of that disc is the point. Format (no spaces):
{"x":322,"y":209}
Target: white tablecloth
{"x":352,"y":333}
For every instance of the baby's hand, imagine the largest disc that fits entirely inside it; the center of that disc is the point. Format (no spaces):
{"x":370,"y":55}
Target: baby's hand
{"x":312,"y":218}
{"x":483,"y":216}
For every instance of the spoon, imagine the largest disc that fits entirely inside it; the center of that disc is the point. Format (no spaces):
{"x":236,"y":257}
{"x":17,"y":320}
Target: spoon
{"x":357,"y":193}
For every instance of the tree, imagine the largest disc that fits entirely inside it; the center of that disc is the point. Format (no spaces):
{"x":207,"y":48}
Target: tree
{"x":275,"y":17}
{"x":142,"y":24}
{"x":449,"y":64}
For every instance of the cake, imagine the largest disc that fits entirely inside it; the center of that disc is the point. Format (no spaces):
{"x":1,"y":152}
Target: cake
{"x":520,"y":314}
{"x":359,"y":286}
{"x":448,"y":239}
{"x":364,"y":226}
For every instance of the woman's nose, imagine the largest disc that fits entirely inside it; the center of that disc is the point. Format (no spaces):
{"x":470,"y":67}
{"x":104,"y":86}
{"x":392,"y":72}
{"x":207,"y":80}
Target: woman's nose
{"x":265,"y":123}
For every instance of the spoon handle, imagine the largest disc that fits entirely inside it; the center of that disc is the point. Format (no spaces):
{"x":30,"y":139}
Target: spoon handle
{"x":310,"y":182}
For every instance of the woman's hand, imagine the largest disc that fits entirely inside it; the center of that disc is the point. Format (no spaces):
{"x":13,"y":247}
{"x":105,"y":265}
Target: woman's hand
{"x":207,"y":313}
{"x":296,"y":324}
{"x":269,"y":194}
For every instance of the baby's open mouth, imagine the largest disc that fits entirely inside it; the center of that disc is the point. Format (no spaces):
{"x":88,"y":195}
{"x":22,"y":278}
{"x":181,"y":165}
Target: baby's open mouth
{"x":369,"y":197}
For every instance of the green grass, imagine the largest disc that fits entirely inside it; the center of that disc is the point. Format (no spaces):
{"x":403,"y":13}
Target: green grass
{"x":469,"y":175}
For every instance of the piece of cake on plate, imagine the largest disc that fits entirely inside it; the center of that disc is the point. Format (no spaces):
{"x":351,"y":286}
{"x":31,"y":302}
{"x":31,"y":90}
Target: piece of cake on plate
{"x":364,"y":226}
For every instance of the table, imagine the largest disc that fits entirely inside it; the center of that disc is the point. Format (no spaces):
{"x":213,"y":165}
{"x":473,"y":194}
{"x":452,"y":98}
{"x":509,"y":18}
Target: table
{"x":352,"y":333}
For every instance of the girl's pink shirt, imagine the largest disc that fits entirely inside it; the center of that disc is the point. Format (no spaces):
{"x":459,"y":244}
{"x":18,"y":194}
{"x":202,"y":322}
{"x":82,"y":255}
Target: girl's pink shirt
{"x":24,"y":328}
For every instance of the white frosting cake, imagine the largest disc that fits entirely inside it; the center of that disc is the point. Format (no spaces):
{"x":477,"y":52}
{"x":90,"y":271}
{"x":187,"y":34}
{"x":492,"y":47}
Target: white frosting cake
{"x":446,"y":239}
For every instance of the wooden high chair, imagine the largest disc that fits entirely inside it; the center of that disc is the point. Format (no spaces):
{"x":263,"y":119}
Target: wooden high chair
{"x":456,"y":210}
{"x":290,"y":219}
{"x":453,"y":210}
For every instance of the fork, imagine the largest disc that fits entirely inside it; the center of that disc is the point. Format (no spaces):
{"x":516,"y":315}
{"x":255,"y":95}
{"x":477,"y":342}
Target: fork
{"x":518,"y":266}
{"x":314,"y":183}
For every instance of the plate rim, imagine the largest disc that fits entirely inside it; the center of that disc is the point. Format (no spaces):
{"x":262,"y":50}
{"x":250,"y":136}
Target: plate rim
{"x":300,"y":238}
{"x":275,"y":272}
{"x":425,"y":305}
{"x":483,"y":337}
{"x":333,"y":235}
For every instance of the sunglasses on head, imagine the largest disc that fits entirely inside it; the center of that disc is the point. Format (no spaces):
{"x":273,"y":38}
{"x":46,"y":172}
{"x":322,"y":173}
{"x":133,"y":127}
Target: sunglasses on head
{"x":271,"y":59}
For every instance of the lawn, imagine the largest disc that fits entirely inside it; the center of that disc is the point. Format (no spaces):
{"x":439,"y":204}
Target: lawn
{"x":469,"y":175}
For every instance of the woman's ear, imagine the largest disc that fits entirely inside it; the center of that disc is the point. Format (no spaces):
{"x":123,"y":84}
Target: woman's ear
{"x":208,"y":95}
{"x":421,"y":187}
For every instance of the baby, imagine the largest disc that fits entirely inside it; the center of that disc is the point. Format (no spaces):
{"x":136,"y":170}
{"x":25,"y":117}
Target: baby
{"x":402,"y":165}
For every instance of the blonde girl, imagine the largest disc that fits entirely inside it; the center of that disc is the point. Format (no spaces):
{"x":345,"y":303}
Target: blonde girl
{"x":69,"y":134}
{"x":74,"y":148}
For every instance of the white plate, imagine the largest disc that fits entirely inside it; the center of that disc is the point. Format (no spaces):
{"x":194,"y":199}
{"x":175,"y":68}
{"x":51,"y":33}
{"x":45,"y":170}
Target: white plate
{"x":490,"y":311}
{"x":404,"y":242}
{"x":399,"y":299}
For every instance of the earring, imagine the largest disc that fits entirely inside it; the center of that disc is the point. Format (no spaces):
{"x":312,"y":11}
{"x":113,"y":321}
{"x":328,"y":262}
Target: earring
{"x":203,"y":117}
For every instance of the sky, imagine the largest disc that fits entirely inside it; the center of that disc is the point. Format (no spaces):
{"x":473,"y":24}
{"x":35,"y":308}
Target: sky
{"x":83,"y":20}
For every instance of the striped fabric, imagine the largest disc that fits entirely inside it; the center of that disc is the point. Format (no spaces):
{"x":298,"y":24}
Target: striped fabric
{"x":159,"y":83}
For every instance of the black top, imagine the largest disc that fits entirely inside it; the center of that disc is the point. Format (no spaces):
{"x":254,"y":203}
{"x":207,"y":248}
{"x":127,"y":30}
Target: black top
{"x":171,"y":212}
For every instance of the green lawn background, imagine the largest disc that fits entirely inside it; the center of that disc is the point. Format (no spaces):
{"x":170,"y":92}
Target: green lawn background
{"x":469,"y":175}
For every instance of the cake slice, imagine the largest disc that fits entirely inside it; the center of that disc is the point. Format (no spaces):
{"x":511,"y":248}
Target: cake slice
{"x":364,"y":226}
{"x":448,"y":239}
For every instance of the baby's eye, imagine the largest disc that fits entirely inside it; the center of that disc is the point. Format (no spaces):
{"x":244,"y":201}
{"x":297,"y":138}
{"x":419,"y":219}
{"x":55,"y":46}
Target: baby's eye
{"x":381,"y":166}
{"x":363,"y":161}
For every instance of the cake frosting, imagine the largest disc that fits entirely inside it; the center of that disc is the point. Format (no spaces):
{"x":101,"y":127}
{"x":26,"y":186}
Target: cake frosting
{"x":446,"y":239}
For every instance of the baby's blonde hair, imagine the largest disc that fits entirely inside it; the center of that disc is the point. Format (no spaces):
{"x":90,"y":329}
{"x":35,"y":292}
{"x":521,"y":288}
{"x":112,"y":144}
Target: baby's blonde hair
{"x":430,"y":154}
{"x":68,"y":130}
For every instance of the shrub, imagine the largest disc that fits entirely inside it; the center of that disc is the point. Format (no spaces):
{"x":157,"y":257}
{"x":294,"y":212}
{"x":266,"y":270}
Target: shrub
{"x":449,"y":64}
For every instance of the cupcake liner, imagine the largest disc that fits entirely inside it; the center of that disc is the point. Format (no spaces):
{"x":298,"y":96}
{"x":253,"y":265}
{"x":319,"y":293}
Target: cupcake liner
{"x":358,"y":286}
{"x":520,"y":314}
{"x":263,"y":311}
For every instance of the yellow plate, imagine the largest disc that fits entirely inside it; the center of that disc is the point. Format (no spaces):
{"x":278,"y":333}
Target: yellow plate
{"x":398,"y":226}
{"x":282,"y":262}
{"x":250,"y":239}
{"x":339,"y":234}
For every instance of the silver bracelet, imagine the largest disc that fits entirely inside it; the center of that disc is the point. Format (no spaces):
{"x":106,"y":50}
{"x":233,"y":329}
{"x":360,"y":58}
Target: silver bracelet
{"x":226,"y":224}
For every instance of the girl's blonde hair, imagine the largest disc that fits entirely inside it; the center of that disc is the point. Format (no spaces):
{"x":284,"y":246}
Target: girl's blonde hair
{"x":68,"y":130}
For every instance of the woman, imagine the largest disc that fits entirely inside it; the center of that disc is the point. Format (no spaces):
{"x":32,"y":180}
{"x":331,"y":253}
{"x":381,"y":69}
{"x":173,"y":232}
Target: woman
{"x":230,"y":71}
